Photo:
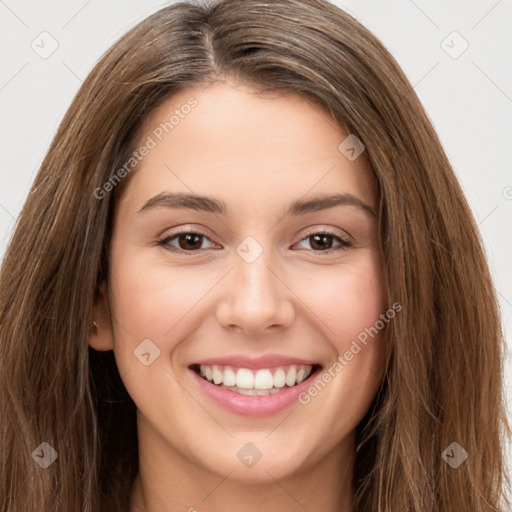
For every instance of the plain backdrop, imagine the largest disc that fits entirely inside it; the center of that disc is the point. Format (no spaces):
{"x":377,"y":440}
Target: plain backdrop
{"x":457,"y":55}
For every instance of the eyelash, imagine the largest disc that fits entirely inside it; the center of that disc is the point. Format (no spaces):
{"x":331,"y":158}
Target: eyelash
{"x":164,"y":242}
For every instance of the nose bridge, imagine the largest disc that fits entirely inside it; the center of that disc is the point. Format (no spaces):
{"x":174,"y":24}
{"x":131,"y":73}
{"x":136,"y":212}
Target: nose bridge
{"x":254,"y":280}
{"x":256,"y":299}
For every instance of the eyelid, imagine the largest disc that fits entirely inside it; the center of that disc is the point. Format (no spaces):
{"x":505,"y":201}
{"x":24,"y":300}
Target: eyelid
{"x":186,"y":228}
{"x":319,"y":229}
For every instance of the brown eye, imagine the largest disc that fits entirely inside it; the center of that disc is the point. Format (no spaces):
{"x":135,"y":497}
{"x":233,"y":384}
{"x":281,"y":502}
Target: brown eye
{"x":321,"y":241}
{"x":190,"y":241}
{"x":187,"y":241}
{"x":325,"y":242}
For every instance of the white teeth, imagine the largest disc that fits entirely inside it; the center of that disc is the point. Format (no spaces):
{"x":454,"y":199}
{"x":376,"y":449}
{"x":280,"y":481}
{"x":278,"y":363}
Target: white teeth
{"x":244,"y":379}
{"x":261,"y":381}
{"x":291,"y":376}
{"x":229,"y":377}
{"x":216,"y":375}
{"x":279,"y":378}
{"x":252,"y":392}
{"x":246,"y":391}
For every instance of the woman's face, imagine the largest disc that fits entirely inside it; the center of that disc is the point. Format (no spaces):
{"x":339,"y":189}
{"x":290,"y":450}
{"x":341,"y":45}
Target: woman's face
{"x":230,"y":250}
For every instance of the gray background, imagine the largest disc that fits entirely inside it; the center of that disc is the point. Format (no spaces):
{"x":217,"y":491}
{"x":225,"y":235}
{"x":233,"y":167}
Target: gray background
{"x":467,"y":93}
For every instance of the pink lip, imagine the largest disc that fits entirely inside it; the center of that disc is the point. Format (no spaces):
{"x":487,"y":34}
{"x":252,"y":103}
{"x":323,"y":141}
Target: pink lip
{"x":246,"y":405}
{"x":254,"y":363}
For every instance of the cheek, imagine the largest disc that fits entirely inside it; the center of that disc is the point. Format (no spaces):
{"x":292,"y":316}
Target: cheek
{"x":347,"y":299}
{"x":154,"y":301}
{"x":159,"y":304}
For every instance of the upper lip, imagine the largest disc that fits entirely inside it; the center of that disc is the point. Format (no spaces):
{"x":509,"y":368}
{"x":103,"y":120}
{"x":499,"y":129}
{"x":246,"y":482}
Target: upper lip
{"x":254,"y":363}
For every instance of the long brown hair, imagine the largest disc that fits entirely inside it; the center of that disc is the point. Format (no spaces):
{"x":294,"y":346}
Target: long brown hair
{"x":443,"y":380}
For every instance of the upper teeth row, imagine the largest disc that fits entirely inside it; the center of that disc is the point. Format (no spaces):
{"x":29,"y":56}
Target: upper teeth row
{"x":260,"y":379}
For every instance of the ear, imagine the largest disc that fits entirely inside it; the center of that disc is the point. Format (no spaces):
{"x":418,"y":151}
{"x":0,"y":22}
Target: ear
{"x":101,"y":336}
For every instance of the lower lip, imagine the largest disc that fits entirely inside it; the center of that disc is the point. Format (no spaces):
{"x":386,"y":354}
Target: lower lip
{"x":246,"y":405}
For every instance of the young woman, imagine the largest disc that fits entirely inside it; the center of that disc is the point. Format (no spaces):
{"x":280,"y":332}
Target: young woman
{"x":246,"y":278}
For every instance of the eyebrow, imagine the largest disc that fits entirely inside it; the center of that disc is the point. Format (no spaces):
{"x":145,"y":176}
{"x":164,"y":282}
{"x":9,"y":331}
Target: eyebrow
{"x":211,"y":205}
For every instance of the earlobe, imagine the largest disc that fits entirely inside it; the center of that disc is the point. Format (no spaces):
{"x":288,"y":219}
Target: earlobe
{"x":101,"y":336}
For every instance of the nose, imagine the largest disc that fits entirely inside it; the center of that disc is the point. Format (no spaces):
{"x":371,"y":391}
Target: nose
{"x":256,"y":297}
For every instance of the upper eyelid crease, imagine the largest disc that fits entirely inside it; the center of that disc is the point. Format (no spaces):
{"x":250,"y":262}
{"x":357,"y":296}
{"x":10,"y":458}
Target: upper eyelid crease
{"x":207,"y":204}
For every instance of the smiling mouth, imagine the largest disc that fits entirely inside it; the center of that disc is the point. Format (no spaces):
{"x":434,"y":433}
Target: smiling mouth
{"x":260,"y":382}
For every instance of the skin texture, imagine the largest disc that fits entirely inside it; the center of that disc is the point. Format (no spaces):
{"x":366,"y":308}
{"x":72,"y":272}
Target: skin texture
{"x":257,"y":154}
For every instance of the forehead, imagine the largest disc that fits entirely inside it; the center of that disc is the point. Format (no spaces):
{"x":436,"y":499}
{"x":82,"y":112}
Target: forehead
{"x":229,"y":141}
